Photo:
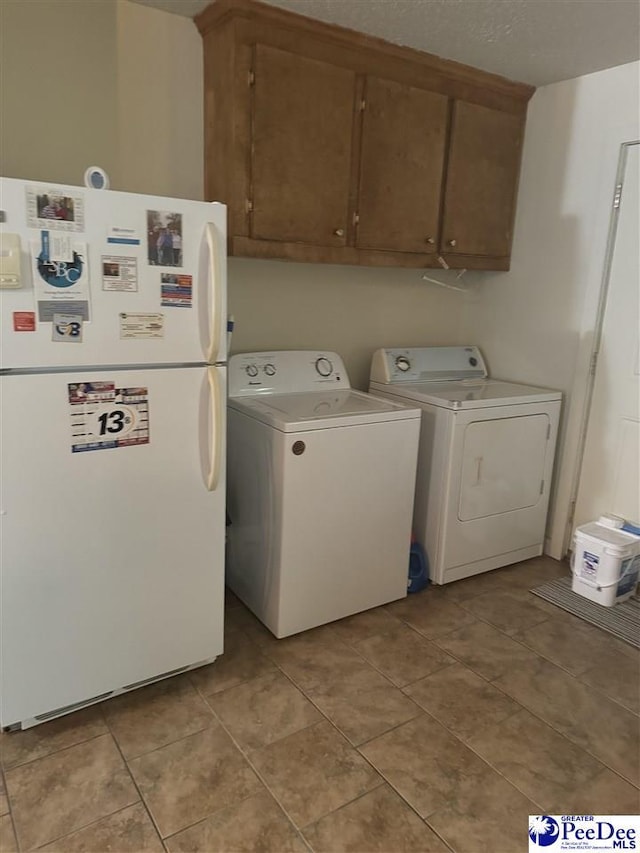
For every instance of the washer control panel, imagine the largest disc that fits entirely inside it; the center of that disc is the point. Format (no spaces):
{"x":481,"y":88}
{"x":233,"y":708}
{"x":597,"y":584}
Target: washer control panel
{"x":285,"y":372}
{"x":427,"y":364}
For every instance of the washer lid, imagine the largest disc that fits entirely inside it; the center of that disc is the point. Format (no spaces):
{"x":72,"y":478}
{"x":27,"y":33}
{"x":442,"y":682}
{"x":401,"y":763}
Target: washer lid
{"x":469,"y":393}
{"x":321,"y":409}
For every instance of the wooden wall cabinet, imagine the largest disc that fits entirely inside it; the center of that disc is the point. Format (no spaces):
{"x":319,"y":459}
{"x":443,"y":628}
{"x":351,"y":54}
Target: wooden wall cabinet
{"x":402,"y":156}
{"x":300,"y":162}
{"x":332,"y":146}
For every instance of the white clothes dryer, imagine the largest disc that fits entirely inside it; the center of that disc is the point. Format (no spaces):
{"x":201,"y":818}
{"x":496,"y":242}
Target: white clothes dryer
{"x":320,"y":490}
{"x":485,"y":460}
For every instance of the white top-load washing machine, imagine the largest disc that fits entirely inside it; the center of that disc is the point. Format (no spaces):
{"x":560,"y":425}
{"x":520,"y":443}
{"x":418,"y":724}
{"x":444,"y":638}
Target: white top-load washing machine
{"x":485,"y":460}
{"x":320,"y":490}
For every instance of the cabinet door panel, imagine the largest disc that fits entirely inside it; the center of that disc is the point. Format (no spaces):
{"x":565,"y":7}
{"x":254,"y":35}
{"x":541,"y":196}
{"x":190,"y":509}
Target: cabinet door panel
{"x":403,"y":146}
{"x":482,"y":180}
{"x":301,"y":148}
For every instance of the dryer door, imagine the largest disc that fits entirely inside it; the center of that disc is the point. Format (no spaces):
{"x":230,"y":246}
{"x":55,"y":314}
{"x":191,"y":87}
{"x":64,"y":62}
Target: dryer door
{"x":497,"y":487}
{"x":502,"y":465}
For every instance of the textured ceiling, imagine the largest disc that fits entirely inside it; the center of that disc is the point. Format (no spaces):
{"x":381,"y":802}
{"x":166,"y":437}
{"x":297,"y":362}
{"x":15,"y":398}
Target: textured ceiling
{"x":533,"y":41}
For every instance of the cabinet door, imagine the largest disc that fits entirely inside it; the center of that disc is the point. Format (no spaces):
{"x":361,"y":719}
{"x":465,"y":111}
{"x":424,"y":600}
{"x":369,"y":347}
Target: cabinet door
{"x":402,"y":157}
{"x":302,"y":122}
{"x":482,"y":181}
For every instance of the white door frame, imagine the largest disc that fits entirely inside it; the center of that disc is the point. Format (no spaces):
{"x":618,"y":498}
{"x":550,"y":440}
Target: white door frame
{"x":597,"y":337}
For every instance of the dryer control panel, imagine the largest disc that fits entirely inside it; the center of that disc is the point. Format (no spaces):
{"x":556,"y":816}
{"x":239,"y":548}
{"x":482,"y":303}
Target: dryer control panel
{"x":427,"y":364}
{"x":285,"y":372}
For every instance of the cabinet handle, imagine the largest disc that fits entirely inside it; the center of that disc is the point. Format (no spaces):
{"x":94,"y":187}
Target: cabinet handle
{"x":430,"y":241}
{"x":339,"y":232}
{"x":451,"y":243}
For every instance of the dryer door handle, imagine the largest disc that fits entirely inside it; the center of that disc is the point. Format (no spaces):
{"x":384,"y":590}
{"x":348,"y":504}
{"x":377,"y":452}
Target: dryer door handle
{"x":478,"y":470}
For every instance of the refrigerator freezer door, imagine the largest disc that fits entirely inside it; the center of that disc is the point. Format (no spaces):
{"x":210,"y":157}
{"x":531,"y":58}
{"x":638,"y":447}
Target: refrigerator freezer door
{"x":133,"y":303}
{"x":112,"y":563}
{"x":216,"y":332}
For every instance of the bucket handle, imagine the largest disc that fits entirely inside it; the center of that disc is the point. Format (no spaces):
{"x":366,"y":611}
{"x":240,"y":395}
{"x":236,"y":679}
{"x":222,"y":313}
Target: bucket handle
{"x":601,"y":585}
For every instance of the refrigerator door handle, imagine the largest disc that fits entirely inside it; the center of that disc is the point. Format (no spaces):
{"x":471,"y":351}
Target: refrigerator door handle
{"x":215,"y":297}
{"x":215,"y":402}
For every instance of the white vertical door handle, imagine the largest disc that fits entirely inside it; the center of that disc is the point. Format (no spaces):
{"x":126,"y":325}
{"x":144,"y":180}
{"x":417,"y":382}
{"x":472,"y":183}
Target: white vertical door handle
{"x":215,"y":293}
{"x":216,"y":426}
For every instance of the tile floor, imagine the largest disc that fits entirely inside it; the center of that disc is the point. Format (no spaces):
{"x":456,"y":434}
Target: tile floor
{"x":431,"y":724}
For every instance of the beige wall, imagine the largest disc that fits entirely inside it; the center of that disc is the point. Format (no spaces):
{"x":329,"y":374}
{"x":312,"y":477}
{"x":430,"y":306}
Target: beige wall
{"x":57,"y":93}
{"x":353,"y":311}
{"x":536,"y":323}
{"x":101,"y":82}
{"x":159,"y":103}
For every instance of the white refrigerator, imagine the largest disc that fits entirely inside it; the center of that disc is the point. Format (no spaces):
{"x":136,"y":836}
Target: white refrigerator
{"x":113,"y":387}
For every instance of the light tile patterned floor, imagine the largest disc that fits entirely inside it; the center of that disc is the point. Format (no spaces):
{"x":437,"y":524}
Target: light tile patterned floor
{"x":426,"y":725}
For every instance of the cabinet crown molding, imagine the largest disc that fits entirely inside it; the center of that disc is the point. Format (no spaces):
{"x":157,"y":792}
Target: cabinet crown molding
{"x":221,"y":12}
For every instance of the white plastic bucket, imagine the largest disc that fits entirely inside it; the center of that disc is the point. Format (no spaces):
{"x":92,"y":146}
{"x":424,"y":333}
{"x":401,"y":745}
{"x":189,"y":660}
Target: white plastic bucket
{"x":606,"y":563}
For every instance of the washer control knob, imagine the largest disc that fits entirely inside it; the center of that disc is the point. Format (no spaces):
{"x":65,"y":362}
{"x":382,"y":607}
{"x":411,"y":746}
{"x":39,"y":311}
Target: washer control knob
{"x":324,"y":366}
{"x":251,"y":370}
{"x":473,"y":361}
{"x":270,"y":369}
{"x":403,"y":363}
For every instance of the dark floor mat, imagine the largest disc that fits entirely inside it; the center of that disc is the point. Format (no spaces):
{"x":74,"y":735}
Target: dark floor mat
{"x":621,"y":620}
